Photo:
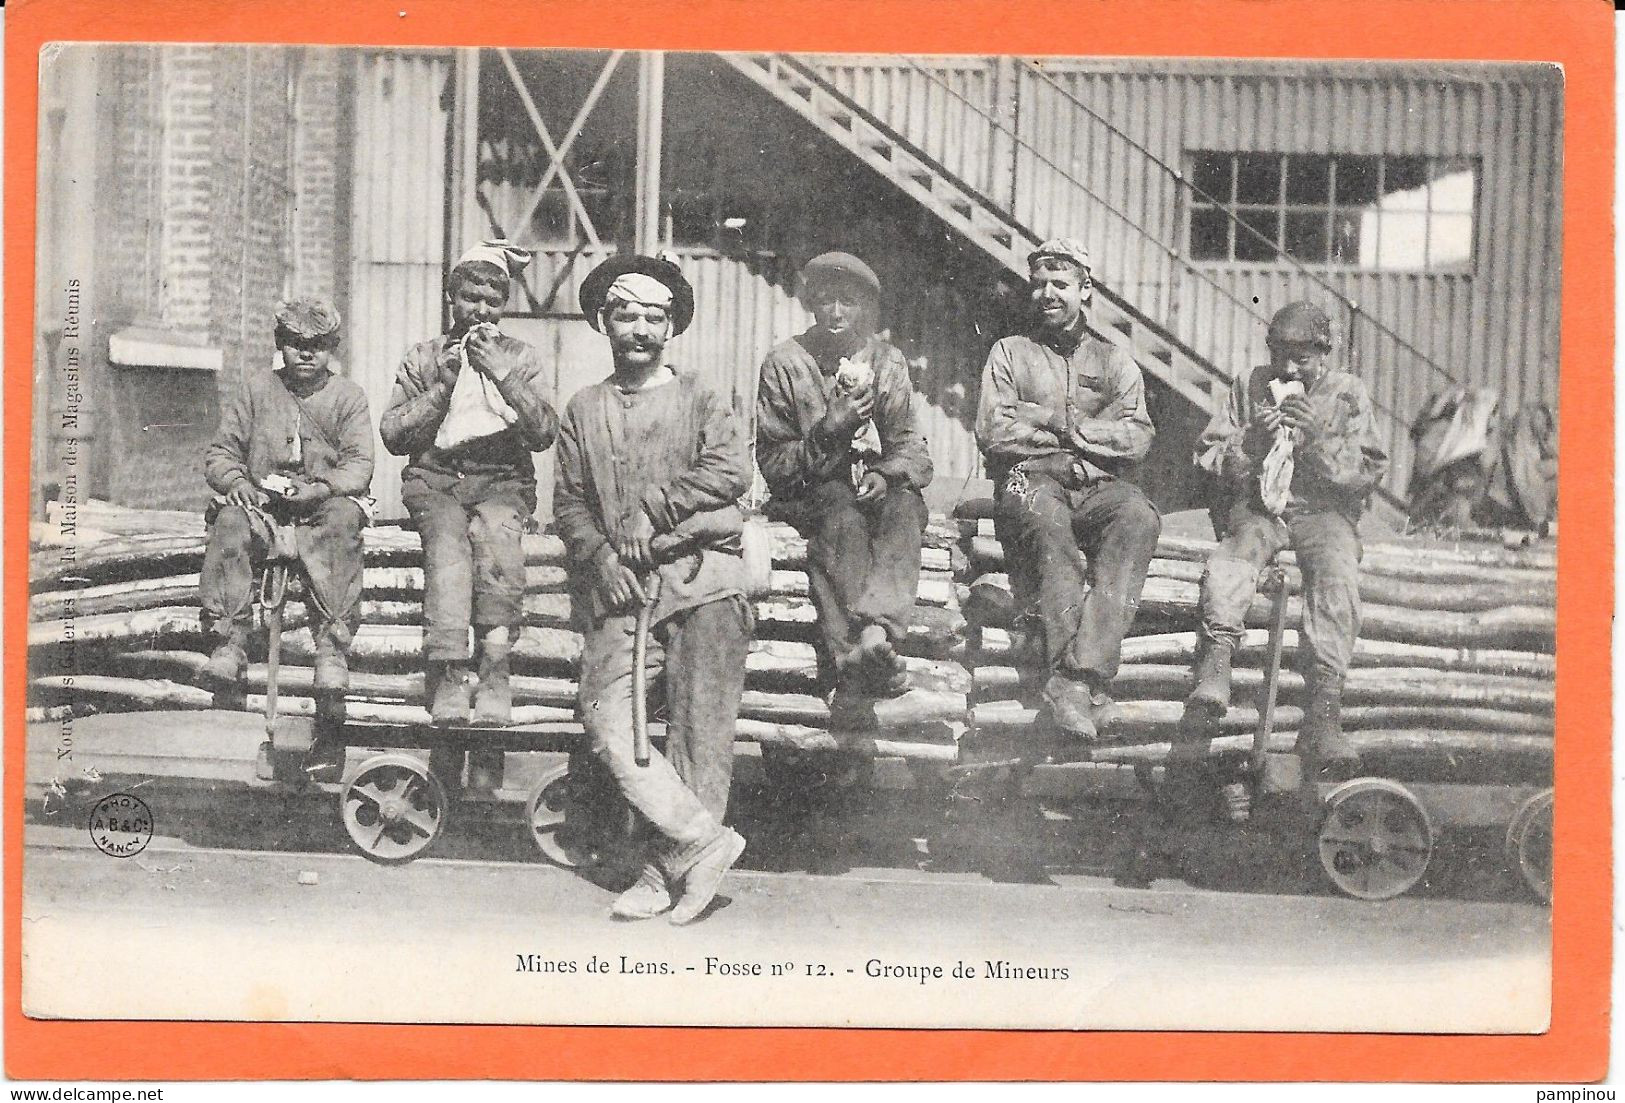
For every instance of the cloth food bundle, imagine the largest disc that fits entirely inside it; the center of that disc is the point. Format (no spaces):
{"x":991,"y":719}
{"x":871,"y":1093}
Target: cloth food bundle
{"x":1275,"y":478}
{"x":477,"y":409}
{"x":852,"y":374}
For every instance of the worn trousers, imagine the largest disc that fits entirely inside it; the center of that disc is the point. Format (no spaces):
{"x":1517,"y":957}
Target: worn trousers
{"x":473,"y":557}
{"x":683,"y":792}
{"x":1088,"y":549}
{"x":1328,"y":550}
{"x":329,"y":543}
{"x":863,"y":562}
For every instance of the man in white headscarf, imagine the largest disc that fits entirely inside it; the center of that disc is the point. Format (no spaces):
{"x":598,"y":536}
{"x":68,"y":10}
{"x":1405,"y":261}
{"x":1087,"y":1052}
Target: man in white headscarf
{"x":469,"y":408}
{"x":651,"y":466}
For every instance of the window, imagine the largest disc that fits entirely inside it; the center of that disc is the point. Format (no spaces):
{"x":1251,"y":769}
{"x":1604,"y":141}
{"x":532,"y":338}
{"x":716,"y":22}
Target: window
{"x":1397,"y":214}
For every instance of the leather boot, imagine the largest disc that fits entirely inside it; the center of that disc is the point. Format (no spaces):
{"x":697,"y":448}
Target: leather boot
{"x":493,"y":700}
{"x":229,"y":660}
{"x":332,"y":670}
{"x":449,"y":706}
{"x":1210,"y":693}
{"x":1326,"y":751}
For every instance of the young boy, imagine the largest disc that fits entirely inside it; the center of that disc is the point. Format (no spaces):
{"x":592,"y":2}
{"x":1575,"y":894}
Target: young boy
{"x":469,"y":408}
{"x":1294,"y":453}
{"x":840,"y":447}
{"x":294,"y":445}
{"x":648,"y":459}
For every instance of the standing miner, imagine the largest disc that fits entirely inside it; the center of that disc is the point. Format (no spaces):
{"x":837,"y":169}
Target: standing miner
{"x":840,"y":447}
{"x":1294,"y":454}
{"x":651,"y":466}
{"x":469,"y":408}
{"x":294,"y":445}
{"x":1062,"y":419}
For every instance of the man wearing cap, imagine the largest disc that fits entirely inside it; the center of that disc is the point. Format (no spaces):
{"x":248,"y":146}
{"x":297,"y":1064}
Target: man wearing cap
{"x":469,"y":408}
{"x":304,"y":433}
{"x":1294,"y":454}
{"x":1062,"y":419}
{"x":840,"y":447}
{"x":651,"y":466}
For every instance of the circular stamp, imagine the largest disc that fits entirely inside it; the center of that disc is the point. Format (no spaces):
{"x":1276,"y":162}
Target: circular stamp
{"x":121,"y":825}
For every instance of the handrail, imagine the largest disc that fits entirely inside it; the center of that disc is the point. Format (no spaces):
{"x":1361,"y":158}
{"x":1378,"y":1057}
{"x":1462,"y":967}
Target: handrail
{"x":1181,"y":181}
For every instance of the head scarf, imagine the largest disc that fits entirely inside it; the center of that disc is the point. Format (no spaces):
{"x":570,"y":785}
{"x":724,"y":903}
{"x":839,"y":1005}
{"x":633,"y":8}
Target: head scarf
{"x":1062,"y":248}
{"x":638,"y":289}
{"x":500,"y":252}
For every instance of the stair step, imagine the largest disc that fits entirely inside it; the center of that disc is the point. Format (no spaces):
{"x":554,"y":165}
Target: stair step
{"x":881,"y":147}
{"x":923,"y":179}
{"x":1003,"y":237}
{"x":960,"y":207}
{"x":841,"y":119}
{"x":803,"y":90}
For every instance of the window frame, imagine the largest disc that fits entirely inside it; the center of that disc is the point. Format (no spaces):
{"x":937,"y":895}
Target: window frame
{"x":1329,"y":209}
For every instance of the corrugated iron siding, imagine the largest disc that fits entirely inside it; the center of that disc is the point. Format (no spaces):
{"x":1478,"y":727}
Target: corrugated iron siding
{"x":398,"y":229}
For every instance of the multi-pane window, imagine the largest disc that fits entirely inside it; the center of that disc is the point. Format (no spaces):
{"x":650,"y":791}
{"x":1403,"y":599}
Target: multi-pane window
{"x":1379,"y":212}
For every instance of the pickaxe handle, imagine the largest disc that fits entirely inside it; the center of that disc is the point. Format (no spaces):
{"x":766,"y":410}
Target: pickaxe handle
{"x":1275,"y":582}
{"x":640,"y":673}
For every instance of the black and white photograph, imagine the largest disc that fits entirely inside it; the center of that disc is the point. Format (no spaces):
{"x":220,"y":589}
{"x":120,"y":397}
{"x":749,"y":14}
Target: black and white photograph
{"x":617,"y":537}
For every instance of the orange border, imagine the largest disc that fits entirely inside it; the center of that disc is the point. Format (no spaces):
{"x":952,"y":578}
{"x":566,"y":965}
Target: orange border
{"x":1577,"y":33}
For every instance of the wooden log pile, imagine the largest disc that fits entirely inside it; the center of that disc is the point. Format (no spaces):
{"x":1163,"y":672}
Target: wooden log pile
{"x":114,"y":625}
{"x":1455,"y":664}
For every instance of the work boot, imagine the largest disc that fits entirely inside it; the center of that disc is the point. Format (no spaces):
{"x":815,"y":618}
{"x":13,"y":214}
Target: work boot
{"x":872,"y":653}
{"x":450,"y":703}
{"x":332,"y":671}
{"x":645,"y":899}
{"x":1326,"y":751}
{"x":229,"y":661}
{"x":493,"y":699}
{"x":704,"y":877}
{"x":1072,"y":703}
{"x":1210,"y":693}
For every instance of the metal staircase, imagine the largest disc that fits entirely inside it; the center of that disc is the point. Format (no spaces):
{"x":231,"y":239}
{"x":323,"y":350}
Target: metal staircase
{"x":971,"y":214}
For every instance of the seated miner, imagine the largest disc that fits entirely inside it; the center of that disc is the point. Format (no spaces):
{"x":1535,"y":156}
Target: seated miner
{"x":651,"y":465}
{"x":1293,"y":453}
{"x":1061,"y":421}
{"x":839,"y":444}
{"x":294,"y":447}
{"x":469,"y":408}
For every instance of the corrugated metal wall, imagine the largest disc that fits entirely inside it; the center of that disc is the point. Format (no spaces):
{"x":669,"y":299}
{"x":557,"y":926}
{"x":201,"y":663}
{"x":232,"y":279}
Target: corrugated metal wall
{"x":397,"y":230}
{"x":1074,"y":174}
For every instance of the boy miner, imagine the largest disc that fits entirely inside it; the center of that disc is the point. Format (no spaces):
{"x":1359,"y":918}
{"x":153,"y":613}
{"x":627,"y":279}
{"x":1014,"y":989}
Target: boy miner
{"x":294,"y":445}
{"x":843,"y":456}
{"x":1062,"y":418}
{"x":651,"y":465}
{"x":1294,"y":454}
{"x":469,"y":408}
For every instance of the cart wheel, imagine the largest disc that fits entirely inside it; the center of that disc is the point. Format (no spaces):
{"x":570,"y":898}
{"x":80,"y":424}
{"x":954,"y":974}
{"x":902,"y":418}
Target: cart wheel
{"x":1375,"y":840}
{"x":1529,"y":844}
{"x":571,"y":831}
{"x":393,"y":809}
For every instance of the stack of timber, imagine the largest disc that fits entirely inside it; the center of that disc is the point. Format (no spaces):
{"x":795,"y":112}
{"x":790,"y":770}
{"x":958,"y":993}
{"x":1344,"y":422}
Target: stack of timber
{"x":1453,"y":676}
{"x":114,"y":626}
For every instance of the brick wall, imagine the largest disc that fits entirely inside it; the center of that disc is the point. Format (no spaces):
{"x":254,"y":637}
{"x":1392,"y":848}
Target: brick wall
{"x":318,"y":81}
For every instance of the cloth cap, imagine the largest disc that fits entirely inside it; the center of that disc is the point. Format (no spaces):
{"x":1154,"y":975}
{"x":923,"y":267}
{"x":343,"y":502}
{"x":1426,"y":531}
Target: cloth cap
{"x":1300,"y":323}
{"x":831,"y":266}
{"x":307,"y":319}
{"x":1062,"y":248}
{"x":595,"y":287}
{"x":500,"y":252}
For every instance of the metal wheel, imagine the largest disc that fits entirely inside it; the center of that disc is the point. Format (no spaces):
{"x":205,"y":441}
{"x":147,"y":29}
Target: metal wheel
{"x":570,"y":820}
{"x":1375,"y":840}
{"x":1529,"y":844}
{"x":393,"y":809}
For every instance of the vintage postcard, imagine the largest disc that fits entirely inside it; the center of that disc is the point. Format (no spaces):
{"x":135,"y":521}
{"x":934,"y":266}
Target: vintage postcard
{"x":989,"y":534}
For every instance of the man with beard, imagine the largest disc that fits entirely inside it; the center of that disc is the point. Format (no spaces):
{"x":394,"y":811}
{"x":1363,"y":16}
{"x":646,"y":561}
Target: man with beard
{"x":651,"y":466}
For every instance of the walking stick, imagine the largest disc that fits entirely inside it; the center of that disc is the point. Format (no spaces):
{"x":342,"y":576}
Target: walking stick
{"x":640,"y":673}
{"x":273,"y":591}
{"x":1275,"y":579}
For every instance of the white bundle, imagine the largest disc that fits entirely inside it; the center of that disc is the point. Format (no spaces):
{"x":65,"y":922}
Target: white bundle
{"x":1275,"y":479}
{"x":477,"y":408}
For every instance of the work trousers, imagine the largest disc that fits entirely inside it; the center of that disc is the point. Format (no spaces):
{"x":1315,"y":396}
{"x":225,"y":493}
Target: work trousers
{"x":329,"y":545}
{"x":1328,"y":550}
{"x":473,"y":559}
{"x":682,"y":793}
{"x":863,"y":562}
{"x":1087,"y":547}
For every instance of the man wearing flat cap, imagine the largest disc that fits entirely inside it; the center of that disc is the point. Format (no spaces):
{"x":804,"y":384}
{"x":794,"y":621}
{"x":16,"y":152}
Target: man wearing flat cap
{"x":840,"y":446}
{"x":294,"y":444}
{"x":1061,"y":422}
{"x":470,"y":408}
{"x":1294,"y":454}
{"x":651,"y":466}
